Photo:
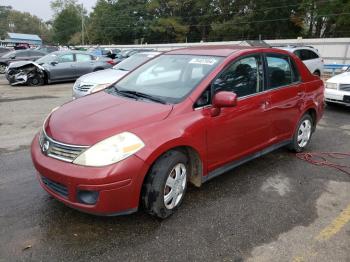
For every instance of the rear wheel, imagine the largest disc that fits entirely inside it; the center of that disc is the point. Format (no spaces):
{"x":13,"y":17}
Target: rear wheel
{"x":302,"y":136}
{"x":165,"y":185}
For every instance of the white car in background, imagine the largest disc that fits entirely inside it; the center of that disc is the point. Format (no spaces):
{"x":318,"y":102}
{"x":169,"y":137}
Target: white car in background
{"x":310,"y":57}
{"x":96,"y":81}
{"x":338,"y":89}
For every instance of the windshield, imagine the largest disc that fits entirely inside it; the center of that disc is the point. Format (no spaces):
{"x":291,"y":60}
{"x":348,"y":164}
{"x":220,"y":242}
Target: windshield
{"x":47,"y":59}
{"x":7,"y":55}
{"x":133,"y":62}
{"x":168,"y":77}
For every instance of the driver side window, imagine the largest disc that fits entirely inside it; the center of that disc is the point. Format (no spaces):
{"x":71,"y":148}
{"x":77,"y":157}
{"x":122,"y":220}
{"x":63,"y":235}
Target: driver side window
{"x":66,"y":58}
{"x":244,"y":77}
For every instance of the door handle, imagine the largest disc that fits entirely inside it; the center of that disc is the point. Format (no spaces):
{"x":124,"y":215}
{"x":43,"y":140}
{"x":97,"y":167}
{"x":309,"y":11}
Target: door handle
{"x":300,"y":93}
{"x":265,"y":104}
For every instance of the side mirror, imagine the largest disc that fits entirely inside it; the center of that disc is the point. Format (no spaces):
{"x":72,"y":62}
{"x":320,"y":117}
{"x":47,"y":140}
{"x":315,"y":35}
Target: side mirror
{"x":13,"y":57}
{"x":224,"y":99}
{"x":54,"y":63}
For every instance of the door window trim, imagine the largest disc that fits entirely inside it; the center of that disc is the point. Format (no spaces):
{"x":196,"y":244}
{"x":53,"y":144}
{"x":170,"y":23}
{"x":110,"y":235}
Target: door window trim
{"x":261,"y":88}
{"x":291,"y":64}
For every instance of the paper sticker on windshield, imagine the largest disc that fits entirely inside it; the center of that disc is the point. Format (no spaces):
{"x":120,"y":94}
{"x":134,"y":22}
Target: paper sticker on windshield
{"x":203,"y":61}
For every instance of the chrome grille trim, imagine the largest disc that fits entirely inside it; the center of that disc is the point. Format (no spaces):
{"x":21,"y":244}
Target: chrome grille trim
{"x":344,"y":87}
{"x":58,"y":150}
{"x":84,"y":88}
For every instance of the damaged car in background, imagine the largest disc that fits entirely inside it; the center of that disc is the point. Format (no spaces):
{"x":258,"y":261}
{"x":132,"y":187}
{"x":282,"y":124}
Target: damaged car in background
{"x":55,"y":67}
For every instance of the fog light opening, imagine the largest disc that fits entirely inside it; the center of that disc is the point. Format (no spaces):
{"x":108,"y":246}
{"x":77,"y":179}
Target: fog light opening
{"x":88,"y":197}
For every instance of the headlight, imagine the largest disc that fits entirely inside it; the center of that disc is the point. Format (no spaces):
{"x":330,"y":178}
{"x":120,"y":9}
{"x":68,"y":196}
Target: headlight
{"x":331,"y":85}
{"x":111,"y":150}
{"x":77,"y":83}
{"x":97,"y":88}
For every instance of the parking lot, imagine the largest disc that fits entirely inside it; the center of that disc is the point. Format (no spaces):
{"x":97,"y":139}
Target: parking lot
{"x":275,"y":208}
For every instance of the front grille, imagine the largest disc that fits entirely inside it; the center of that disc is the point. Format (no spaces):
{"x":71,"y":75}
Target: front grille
{"x":54,"y":186}
{"x":344,"y":87}
{"x":84,"y":88}
{"x":59,"y":150}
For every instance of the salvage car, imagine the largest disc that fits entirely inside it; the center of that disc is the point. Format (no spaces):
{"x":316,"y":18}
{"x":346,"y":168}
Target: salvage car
{"x":96,"y":81}
{"x":338,"y":89}
{"x":18,"y":55}
{"x":55,"y":67}
{"x":187,"y":115}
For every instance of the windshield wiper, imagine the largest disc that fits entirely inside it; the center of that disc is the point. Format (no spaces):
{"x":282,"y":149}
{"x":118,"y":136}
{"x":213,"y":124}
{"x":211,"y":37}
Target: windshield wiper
{"x":143,"y":95}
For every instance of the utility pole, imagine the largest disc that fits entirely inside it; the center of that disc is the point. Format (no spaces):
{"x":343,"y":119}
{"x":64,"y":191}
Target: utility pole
{"x":82,"y":24}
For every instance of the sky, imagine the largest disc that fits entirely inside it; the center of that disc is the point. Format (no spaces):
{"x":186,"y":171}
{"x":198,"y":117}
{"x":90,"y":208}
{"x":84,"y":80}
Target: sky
{"x":41,"y":8}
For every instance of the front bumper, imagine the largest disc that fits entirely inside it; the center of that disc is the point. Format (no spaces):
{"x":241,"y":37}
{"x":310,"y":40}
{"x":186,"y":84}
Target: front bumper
{"x":337,"y":96}
{"x":118,"y":185}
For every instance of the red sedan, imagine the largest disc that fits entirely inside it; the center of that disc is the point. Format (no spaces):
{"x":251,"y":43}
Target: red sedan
{"x":188,"y":115}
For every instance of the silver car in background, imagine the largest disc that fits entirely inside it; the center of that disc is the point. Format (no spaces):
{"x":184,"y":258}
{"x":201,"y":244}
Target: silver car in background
{"x":57,"y":66}
{"x":93,"y":82}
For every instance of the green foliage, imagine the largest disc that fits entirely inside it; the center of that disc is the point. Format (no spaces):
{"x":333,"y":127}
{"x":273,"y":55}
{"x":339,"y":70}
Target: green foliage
{"x":67,"y":21}
{"x":166,"y":21}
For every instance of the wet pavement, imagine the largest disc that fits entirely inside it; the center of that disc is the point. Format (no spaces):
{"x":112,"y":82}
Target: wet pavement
{"x":274,"y":208}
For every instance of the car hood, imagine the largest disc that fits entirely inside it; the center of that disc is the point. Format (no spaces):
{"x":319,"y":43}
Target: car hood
{"x":343,"y":78}
{"x":18,"y":64}
{"x":107,"y":76}
{"x":90,"y":119}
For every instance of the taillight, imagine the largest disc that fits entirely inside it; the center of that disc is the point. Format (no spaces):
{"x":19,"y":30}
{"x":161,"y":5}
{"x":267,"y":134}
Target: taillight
{"x":111,"y":62}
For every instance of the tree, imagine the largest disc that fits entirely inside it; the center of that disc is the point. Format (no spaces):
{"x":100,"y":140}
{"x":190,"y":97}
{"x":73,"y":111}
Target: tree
{"x":67,"y":20}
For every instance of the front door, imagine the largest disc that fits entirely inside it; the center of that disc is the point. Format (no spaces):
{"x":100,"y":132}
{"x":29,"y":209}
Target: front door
{"x":64,"y":69}
{"x":241,"y":130}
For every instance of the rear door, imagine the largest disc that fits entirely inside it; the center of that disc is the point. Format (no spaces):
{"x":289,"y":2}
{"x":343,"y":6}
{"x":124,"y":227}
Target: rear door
{"x":84,"y":64}
{"x":241,"y":130}
{"x":286,"y":95}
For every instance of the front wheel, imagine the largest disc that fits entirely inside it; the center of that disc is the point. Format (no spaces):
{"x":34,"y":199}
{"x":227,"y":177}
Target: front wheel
{"x":302,"y":136}
{"x":166,"y":183}
{"x":36,"y":80}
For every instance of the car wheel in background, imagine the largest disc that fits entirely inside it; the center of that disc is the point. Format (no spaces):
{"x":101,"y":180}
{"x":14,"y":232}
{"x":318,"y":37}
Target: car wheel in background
{"x":165,"y":185}
{"x":302,"y":136}
{"x":317,"y":73}
{"x":2,"y":68}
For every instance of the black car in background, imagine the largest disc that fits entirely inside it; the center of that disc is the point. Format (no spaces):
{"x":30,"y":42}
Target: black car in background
{"x":4,"y":50}
{"x":19,"y":55}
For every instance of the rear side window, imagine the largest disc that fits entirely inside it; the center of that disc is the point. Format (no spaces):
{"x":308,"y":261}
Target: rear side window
{"x":82,"y":57}
{"x":280,"y":72}
{"x":244,"y":77}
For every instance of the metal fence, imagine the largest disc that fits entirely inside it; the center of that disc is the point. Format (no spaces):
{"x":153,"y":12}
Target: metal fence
{"x":333,"y":50}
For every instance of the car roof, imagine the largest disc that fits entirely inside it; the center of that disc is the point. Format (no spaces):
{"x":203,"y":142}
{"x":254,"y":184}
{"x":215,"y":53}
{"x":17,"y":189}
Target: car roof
{"x":214,"y":50}
{"x":70,"y":52}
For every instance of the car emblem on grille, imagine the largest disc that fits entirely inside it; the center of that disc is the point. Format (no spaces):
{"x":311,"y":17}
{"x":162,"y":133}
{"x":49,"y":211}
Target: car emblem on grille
{"x":45,"y":146}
